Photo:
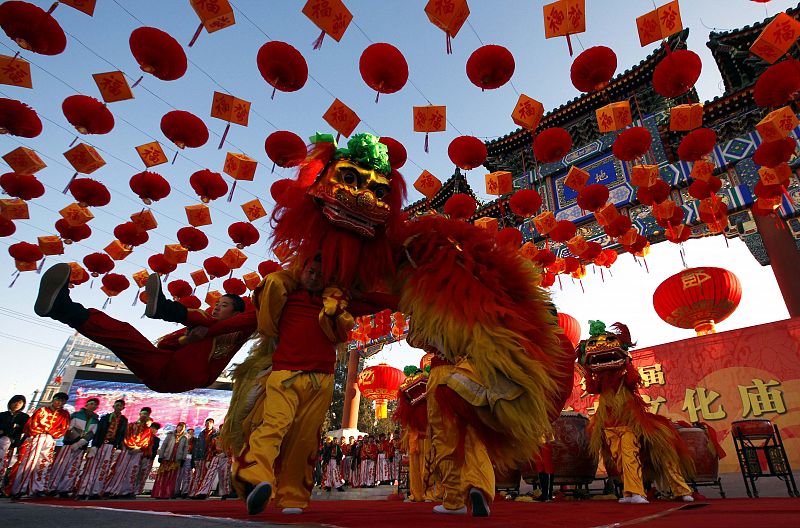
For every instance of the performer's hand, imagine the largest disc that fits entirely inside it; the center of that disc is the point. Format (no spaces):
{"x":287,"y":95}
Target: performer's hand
{"x":92,"y":451}
{"x":196,"y":334}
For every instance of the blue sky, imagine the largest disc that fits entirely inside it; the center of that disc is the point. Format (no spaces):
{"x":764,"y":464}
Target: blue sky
{"x":225,"y":61}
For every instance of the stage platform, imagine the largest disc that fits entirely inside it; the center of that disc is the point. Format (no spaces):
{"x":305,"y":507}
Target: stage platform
{"x":712,"y":513}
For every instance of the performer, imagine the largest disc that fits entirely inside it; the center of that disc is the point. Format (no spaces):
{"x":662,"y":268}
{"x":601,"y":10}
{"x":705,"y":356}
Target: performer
{"x":122,"y":483}
{"x":48,"y":424}
{"x":203,"y":451}
{"x":149,"y":454}
{"x":355,"y":463}
{"x":543,"y":463}
{"x":224,"y":459}
{"x":187,"y":359}
{"x":347,"y":448}
{"x":622,"y":426}
{"x":412,"y":414}
{"x":12,"y":423}
{"x":185,"y":475}
{"x":69,"y":459}
{"x":382,"y":462}
{"x":394,"y":456}
{"x":216,"y":463}
{"x":101,"y":457}
{"x":171,"y":458}
{"x":331,"y":458}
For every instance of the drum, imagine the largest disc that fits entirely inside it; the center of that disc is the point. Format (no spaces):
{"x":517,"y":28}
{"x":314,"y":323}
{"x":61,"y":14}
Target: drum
{"x":705,"y":459}
{"x":752,"y":428}
{"x":573,"y":463}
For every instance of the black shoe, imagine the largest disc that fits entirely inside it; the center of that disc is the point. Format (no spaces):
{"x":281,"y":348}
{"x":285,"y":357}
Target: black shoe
{"x":94,"y":497}
{"x":158,"y":306}
{"x":479,"y":506}
{"x":64,"y":495}
{"x":53,"y":300}
{"x":545,"y":486}
{"x":201,"y":496}
{"x":258,"y":498}
{"x":340,"y":488}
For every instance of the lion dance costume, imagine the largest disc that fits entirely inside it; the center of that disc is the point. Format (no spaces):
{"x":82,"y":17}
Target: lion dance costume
{"x":636,"y":441}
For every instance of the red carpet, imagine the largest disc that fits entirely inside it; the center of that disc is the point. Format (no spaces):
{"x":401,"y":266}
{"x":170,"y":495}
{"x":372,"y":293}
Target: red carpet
{"x":727,"y":513}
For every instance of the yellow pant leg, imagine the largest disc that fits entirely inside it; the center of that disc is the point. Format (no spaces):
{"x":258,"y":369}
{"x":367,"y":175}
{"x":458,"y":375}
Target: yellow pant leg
{"x":291,"y":417}
{"x":294,"y":472}
{"x":444,"y":440}
{"x":676,"y":481}
{"x":625,"y":447}
{"x":477,"y":471}
{"x":430,"y":477}
{"x":416,"y":485}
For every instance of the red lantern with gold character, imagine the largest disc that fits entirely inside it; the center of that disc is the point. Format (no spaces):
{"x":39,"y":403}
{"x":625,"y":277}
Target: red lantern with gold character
{"x":380,"y":383}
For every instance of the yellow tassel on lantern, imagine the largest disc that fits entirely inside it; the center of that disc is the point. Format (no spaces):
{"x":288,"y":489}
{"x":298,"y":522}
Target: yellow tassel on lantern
{"x":381,"y":407}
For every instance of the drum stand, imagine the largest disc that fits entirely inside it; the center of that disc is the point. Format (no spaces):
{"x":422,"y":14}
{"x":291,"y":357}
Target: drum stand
{"x":765,"y":444}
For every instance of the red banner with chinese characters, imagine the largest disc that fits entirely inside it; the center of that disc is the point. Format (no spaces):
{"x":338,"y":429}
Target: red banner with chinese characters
{"x":750,"y":373}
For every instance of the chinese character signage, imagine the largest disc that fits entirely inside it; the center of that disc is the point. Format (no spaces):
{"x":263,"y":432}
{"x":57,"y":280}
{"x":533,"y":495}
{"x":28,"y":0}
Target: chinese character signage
{"x":659,"y":23}
{"x":113,"y":86}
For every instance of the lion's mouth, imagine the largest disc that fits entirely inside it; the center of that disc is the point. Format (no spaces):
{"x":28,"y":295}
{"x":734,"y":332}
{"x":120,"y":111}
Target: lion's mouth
{"x":348,"y":220}
{"x":601,"y":360}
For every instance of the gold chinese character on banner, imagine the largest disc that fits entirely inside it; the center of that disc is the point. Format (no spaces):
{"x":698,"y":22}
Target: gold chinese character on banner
{"x":582,"y":385}
{"x":697,"y":403}
{"x":654,"y":403}
{"x":590,"y":410}
{"x":652,"y":375}
{"x":758,"y":398}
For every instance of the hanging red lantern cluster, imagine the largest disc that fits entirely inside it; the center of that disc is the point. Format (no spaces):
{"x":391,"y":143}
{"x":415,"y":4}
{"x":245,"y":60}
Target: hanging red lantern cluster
{"x":285,"y":149}
{"x":22,"y":186}
{"x":632,"y":143}
{"x":773,"y":153}
{"x":158,"y":53}
{"x":654,"y":194}
{"x":243,"y":234}
{"x":702,"y":189}
{"x":617,"y":227}
{"x":129,"y":234}
{"x":89,"y":192}
{"x":87,"y":114}
{"x":208,"y":185}
{"x":552,"y":144}
{"x":179,"y":288}
{"x":525,"y":202}
{"x":698,"y":298}
{"x":593,"y":68}
{"x":32,"y":28}
{"x":509,"y":237}
{"x":380,"y":383}
{"x":98,"y":263}
{"x":19,"y":119}
{"x":25,"y":255}
{"x":563,"y":231}
{"x":150,"y":186}
{"x":593,"y":197}
{"x":383,"y":68}
{"x":467,"y":152}
{"x":282,"y":66}
{"x":677,"y":73}
{"x":460,"y":206}
{"x":490,"y":67}
{"x":192,"y":239}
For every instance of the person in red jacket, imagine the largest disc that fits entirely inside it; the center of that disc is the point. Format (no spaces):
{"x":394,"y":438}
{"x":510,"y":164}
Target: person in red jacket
{"x":29,"y":474}
{"x":190,"y":358}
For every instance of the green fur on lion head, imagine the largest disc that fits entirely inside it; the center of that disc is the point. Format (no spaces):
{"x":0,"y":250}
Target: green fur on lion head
{"x":597,"y":328}
{"x":363,"y":149}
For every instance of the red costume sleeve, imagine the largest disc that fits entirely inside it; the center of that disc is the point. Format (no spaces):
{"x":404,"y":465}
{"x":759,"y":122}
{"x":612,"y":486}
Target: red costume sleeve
{"x":60,"y":425}
{"x":199,"y":318}
{"x":245,"y":322}
{"x":372,"y":302}
{"x":171,"y":341}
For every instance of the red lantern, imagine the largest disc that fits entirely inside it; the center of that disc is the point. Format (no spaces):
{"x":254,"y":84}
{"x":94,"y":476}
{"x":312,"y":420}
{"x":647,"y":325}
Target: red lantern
{"x":593,"y":68}
{"x":158,"y":53}
{"x":548,"y":279}
{"x":25,"y":252}
{"x":114,"y":284}
{"x":380,"y":383}
{"x":702,"y":189}
{"x":208,"y":185}
{"x":677,"y":73}
{"x":510,"y":237}
{"x":7,"y":227}
{"x":32,"y":28}
{"x":243,"y":234}
{"x":234,"y":286}
{"x":87,"y":114}
{"x":678,"y":234}
{"x":268,"y":266}
{"x":632,"y":143}
{"x":282,"y":66}
{"x":192,"y":238}
{"x":149,"y":186}
{"x":674,"y":219}
{"x":179,"y":288}
{"x":460,"y":206}
{"x":397,"y":152}
{"x":571,"y":327}
{"x":70,"y":234}
{"x":383,"y":68}
{"x":773,"y":153}
{"x":698,"y":298}
{"x":89,"y":192}
{"x":285,"y":149}
{"x":606,"y":258}
{"x":216,"y":267}
{"x":618,"y":226}
{"x":184,"y":129}
{"x":279,"y":189}
{"x":571,"y":264}
{"x":552,"y":144}
{"x":129,"y":234}
{"x":762,"y":190}
{"x":778,"y":84}
{"x":490,"y":67}
{"x":19,"y":119}
{"x":467,"y":152}
{"x":697,"y":144}
{"x":593,"y":197}
{"x":543,"y":257}
{"x":22,"y":186}
{"x":159,"y":264}
{"x":98,"y":263}
{"x":655,"y":194}
{"x":525,"y":202}
{"x":712,"y":210}
{"x":563,"y":231}
{"x":191,"y":302}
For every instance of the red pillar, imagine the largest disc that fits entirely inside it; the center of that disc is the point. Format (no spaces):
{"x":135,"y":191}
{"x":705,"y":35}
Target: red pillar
{"x":352,"y":397}
{"x":783,"y":257}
